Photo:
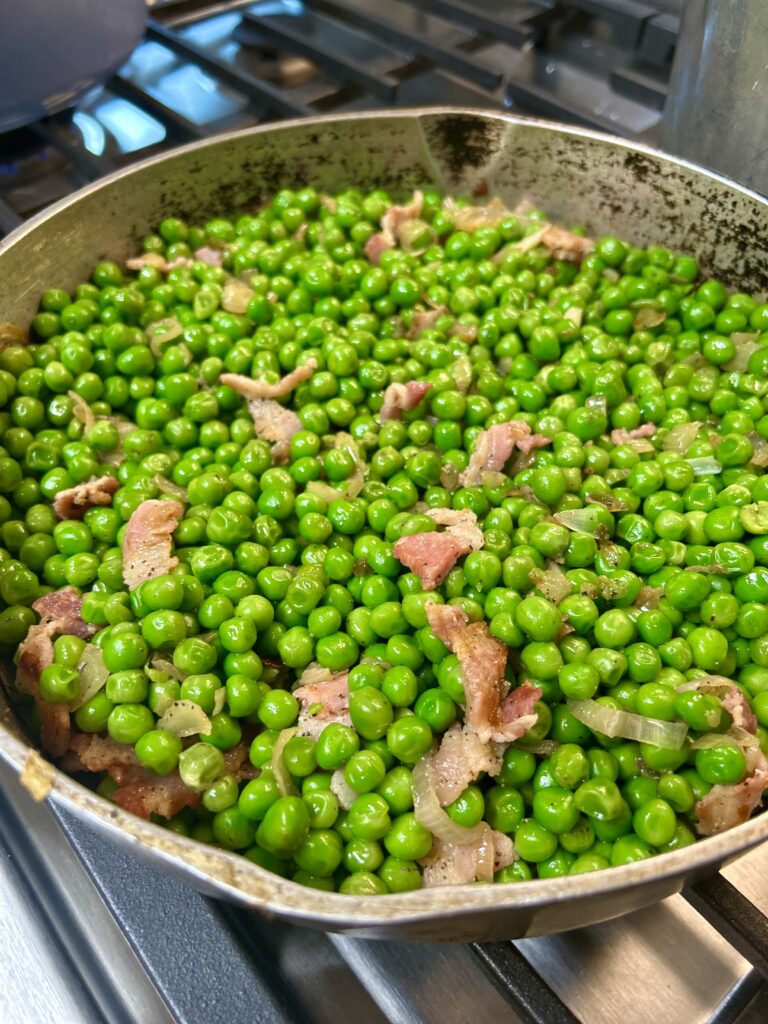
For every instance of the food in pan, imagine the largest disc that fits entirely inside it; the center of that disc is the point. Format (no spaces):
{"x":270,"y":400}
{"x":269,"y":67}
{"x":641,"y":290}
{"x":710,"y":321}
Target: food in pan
{"x":395,"y":545}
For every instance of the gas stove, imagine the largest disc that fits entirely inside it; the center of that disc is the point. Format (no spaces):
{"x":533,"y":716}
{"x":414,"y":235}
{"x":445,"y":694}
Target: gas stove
{"x":89,"y":934}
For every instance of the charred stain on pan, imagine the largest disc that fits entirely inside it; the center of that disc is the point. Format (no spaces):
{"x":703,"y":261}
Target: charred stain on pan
{"x":462,"y":141}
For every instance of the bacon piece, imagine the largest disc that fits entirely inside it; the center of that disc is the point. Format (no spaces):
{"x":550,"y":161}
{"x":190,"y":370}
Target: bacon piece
{"x":59,"y":614}
{"x":213,"y":257}
{"x":74,"y":502}
{"x":145,"y":794}
{"x":402,"y":398}
{"x":494,"y":447}
{"x":424,"y":321}
{"x":489,"y":712}
{"x":396,"y":216}
{"x":564,"y":245}
{"x":275,"y":423}
{"x":472,"y":218}
{"x":89,"y":752}
{"x":147,"y":543}
{"x":620,"y":436}
{"x":447,"y":864}
{"x":460,"y":760}
{"x":329,"y":695}
{"x":737,"y":705}
{"x":432,"y":555}
{"x":376,"y":245}
{"x":725,"y":807}
{"x":249,"y":388}
{"x":446,"y":621}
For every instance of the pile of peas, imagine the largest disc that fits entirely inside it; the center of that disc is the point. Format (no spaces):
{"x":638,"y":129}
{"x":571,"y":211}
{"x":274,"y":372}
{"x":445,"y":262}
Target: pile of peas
{"x":273,"y":577}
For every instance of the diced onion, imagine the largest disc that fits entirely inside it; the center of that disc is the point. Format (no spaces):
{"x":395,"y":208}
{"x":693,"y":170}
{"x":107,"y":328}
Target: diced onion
{"x":580,"y":520}
{"x":607,"y":500}
{"x":342,"y":790}
{"x":185,"y":718}
{"x":575,"y":314}
{"x":680,"y":438}
{"x":705,"y":466}
{"x":93,"y":675}
{"x":429,"y":813}
{"x":235,"y":296}
{"x":745,"y":344}
{"x":355,"y":482}
{"x":628,"y":726}
{"x":464,"y":332}
{"x":713,"y":739}
{"x":714,"y":569}
{"x":168,"y":487}
{"x":449,"y":476}
{"x":219,"y":700}
{"x":485,"y":860}
{"x":530,"y":241}
{"x":282,"y":776}
{"x":472,"y":218}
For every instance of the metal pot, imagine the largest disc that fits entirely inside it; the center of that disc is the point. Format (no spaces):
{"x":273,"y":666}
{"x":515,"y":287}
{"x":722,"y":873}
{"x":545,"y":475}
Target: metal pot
{"x":602,"y":183}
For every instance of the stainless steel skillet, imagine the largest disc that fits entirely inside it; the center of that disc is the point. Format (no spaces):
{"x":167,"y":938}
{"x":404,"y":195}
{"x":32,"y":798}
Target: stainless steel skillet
{"x":579,"y":177}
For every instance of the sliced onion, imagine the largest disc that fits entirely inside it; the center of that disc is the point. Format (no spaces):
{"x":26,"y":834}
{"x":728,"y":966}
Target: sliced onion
{"x":185,"y":718}
{"x":746,"y":344}
{"x":342,"y":790}
{"x":628,"y":726}
{"x":354,"y":483}
{"x":324,"y":491}
{"x":760,"y":453}
{"x":580,"y":520}
{"x":607,"y":500}
{"x":714,"y":569}
{"x":449,"y":476}
{"x":462,"y":374}
{"x":93,"y":675}
{"x":282,"y":776}
{"x":552,"y":583}
{"x":680,"y":438}
{"x":235,"y":296}
{"x":705,"y":466}
{"x":464,"y":332}
{"x":168,"y":487}
{"x":429,"y":813}
{"x":162,"y":664}
{"x":10,"y":334}
{"x":646,"y":318}
{"x":219,"y":700}
{"x":162,"y":331}
{"x":713,"y":739}
{"x":485,"y":859}
{"x":575,"y":314}
{"x":530,"y":241}
{"x":82,"y":411}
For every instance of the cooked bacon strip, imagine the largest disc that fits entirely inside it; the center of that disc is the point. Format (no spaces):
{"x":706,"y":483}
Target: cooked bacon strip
{"x":391,"y":222}
{"x":447,"y":864}
{"x":402,"y":398}
{"x":147,"y":543}
{"x":376,"y":245}
{"x":564,"y":245}
{"x":489,"y":712}
{"x":494,"y":447}
{"x":275,"y":423}
{"x":620,"y":436}
{"x":725,"y":807}
{"x":460,"y":760}
{"x":396,"y":216}
{"x":145,"y":794}
{"x":213,"y":257}
{"x":89,"y":752}
{"x":737,"y":705}
{"x":249,"y":388}
{"x":323,"y":700}
{"x":472,"y":218}
{"x":74,"y":502}
{"x":424,"y":321}
{"x":432,"y":555}
{"x":59,"y":614}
